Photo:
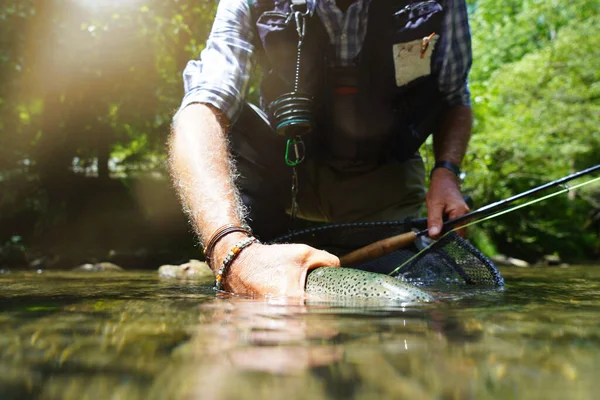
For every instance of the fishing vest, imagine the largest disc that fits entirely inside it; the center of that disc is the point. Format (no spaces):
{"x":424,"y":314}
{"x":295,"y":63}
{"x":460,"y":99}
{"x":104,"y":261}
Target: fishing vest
{"x":382,"y":108}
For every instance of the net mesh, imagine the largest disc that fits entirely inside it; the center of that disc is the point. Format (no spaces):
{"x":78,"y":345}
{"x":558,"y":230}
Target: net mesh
{"x":451,"y":260}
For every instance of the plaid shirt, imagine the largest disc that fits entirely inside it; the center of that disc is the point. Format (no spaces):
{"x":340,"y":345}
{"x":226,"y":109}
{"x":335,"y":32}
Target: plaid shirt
{"x":221,"y":77}
{"x":346,"y":31}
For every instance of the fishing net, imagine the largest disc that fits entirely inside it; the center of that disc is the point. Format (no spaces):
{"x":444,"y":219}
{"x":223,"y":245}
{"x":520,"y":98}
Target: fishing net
{"x":451,"y":260}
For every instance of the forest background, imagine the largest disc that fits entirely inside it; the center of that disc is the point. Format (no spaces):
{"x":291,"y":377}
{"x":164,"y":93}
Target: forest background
{"x":88,"y":89}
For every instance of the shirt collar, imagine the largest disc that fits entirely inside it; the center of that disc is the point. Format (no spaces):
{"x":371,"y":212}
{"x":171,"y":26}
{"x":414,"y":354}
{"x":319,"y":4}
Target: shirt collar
{"x":312,"y":4}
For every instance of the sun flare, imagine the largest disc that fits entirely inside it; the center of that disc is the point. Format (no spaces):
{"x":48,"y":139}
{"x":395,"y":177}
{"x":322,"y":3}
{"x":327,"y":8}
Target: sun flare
{"x":98,"y":5}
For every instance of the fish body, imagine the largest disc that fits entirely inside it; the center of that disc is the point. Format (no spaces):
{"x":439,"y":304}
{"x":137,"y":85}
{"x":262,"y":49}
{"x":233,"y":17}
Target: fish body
{"x":348,"y":282}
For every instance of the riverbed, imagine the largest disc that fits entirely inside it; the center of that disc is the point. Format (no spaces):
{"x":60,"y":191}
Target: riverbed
{"x":132,"y":335}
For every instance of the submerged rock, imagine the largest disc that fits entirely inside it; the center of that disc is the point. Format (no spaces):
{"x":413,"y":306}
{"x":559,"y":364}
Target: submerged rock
{"x":552,"y":260}
{"x":503,"y":260}
{"x":193,"y":269}
{"x":98,"y":267}
{"x":348,"y":282}
{"x":44,"y":262}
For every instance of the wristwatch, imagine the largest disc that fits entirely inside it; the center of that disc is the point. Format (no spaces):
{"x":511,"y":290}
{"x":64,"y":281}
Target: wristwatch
{"x":448,"y":165}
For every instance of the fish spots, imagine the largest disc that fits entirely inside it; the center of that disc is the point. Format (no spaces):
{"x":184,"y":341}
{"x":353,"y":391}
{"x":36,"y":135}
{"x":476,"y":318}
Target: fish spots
{"x":347,"y":282}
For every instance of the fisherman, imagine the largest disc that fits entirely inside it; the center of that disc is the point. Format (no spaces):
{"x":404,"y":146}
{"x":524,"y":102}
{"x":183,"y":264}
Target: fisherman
{"x":350,"y":89}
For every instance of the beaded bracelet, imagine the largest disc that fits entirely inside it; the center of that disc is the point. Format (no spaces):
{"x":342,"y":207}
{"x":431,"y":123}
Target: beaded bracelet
{"x":230,"y":257}
{"x":220,"y":234}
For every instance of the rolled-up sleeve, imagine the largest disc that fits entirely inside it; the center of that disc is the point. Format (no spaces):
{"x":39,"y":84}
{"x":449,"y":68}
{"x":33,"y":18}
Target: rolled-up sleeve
{"x":457,"y":55}
{"x":221,"y":76}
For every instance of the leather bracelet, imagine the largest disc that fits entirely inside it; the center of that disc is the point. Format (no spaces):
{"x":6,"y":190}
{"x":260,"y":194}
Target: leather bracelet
{"x":455,"y":169}
{"x":220,"y":234}
{"x":230,"y":257}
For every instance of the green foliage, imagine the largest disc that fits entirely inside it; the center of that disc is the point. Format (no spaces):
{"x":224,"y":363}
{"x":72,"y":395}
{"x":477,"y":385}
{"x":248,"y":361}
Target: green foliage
{"x":506,"y":31}
{"x":87,"y":77}
{"x":89,"y":87}
{"x":538,"y":117}
{"x":482,"y":241}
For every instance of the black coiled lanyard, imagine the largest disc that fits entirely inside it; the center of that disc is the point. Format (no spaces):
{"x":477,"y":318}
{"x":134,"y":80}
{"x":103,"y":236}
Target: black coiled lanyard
{"x":297,"y":115}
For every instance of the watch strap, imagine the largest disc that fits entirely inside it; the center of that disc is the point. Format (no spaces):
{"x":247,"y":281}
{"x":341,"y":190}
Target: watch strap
{"x":448,"y":165}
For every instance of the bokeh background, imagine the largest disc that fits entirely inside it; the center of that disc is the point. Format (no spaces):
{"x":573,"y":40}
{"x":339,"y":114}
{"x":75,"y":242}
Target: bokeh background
{"x":88,"y":89}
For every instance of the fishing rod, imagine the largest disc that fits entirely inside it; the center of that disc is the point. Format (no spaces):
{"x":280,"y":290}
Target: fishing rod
{"x":391,"y":244}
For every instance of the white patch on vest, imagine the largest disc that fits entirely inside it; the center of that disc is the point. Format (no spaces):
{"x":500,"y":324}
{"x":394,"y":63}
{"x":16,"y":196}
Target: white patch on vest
{"x":408,"y":61}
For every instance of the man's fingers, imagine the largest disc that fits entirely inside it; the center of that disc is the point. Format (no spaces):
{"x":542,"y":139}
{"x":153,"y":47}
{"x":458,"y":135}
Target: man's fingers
{"x":320,"y":258}
{"x":454,"y":214}
{"x":317,"y":259}
{"x":458,"y":210}
{"x":434,"y":220}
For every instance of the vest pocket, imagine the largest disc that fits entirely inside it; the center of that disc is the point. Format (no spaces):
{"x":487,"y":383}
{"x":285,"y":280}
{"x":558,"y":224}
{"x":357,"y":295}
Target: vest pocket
{"x":279,"y":39}
{"x":415,"y":32}
{"x":270,"y":21}
{"x":412,"y":60}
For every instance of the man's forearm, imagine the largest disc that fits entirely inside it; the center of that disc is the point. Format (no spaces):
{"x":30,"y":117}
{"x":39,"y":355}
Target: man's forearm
{"x":202,"y":171}
{"x":451,"y":142}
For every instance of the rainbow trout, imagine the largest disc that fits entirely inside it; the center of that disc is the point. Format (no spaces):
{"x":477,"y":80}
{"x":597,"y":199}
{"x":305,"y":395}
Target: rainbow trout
{"x":348,"y":282}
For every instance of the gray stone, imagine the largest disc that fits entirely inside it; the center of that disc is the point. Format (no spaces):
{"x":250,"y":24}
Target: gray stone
{"x":501,"y":259}
{"x":193,"y":269}
{"x":98,"y":267}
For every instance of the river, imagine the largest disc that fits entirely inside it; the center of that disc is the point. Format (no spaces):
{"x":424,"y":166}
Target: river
{"x":131,"y":335}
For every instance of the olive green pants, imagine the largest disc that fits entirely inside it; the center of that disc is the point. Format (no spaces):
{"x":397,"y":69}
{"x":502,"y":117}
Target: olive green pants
{"x":391,"y":191}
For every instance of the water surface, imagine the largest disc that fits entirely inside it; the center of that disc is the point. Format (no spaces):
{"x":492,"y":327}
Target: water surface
{"x":131,"y":335}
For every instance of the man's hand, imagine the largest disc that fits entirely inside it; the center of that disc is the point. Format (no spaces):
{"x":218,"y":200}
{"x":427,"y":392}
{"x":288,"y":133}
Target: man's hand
{"x":443,"y":198}
{"x":278,"y":270}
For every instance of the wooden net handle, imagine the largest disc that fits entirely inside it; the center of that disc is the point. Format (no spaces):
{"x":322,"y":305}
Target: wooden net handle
{"x":378,"y":249}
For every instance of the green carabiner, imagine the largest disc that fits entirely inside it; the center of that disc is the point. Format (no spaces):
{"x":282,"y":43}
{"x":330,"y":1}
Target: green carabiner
{"x":299,"y":157}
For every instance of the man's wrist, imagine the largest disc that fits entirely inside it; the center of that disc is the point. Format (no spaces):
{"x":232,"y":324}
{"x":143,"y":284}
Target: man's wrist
{"x":441,"y":174}
{"x":448,"y":165}
{"x":223,"y":247}
{"x":231,"y":256}
{"x":220,"y":234}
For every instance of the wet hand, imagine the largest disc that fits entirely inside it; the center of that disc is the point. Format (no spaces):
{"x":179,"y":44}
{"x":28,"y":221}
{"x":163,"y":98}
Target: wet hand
{"x":444,"y":198}
{"x":276,"y":270}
